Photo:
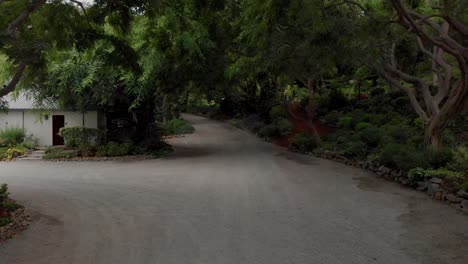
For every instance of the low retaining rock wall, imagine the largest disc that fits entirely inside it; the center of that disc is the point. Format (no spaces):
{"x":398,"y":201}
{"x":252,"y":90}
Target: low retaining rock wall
{"x":436,"y":188}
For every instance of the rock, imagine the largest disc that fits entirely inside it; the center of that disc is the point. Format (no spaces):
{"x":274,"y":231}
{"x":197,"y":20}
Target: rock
{"x":464,"y":203}
{"x":404,"y":180}
{"x":367,"y":164}
{"x":452,"y":198}
{"x":462,"y":194}
{"x":422,"y":186}
{"x":433,"y":188}
{"x":464,"y":206}
{"x":384,"y":170}
{"x":437,"y":180}
{"x":21,"y":220}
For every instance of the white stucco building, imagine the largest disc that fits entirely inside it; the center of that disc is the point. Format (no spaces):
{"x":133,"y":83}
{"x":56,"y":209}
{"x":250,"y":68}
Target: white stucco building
{"x":43,"y":121}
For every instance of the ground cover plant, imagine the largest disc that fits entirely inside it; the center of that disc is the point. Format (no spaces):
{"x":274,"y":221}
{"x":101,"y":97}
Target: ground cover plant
{"x":7,"y":206}
{"x":15,"y":143}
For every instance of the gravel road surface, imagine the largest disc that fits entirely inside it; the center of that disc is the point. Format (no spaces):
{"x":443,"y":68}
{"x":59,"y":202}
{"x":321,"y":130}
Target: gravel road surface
{"x":225,"y":197}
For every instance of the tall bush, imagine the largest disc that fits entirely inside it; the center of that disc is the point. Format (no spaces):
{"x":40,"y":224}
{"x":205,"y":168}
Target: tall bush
{"x":403,"y":157}
{"x":11,"y":136}
{"x":76,"y":136}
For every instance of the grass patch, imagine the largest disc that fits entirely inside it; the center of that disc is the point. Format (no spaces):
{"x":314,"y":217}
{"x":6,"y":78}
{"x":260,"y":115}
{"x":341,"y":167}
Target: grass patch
{"x":53,"y":153}
{"x":178,"y":127}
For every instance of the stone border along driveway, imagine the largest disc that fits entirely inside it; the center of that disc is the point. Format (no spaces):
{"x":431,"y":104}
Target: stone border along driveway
{"x":436,"y":188}
{"x":21,"y":220}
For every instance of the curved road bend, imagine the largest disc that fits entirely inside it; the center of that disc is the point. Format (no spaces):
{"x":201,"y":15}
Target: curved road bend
{"x":224,"y":197}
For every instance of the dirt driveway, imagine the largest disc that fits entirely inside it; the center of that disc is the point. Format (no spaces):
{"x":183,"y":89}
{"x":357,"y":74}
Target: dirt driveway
{"x":226,"y":197}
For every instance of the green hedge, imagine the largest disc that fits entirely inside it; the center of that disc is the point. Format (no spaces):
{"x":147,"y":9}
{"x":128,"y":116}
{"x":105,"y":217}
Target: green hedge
{"x":76,"y":136}
{"x":113,"y":149}
{"x":403,"y":157}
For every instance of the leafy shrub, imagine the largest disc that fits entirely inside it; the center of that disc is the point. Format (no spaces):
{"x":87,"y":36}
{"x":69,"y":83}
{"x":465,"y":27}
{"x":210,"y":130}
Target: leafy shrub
{"x":11,"y":206}
{"x":178,"y":127}
{"x":443,"y":174}
{"x":253,"y":123}
{"x":333,"y":101}
{"x":75,"y":136}
{"x":375,"y":119}
{"x":85,"y":149}
{"x":377,"y":91}
{"x":256,"y":126}
{"x":331,"y":119}
{"x":6,"y":205}
{"x":3,"y":153}
{"x":438,"y":157}
{"x":402,"y":157}
{"x":304,"y":142}
{"x":269,"y":131}
{"x":236,"y":123}
{"x":11,"y":136}
{"x":113,"y":149}
{"x":397,"y":133}
{"x":30,"y":142}
{"x":162,"y":151}
{"x":361,"y":126}
{"x":355,"y":149}
{"x":5,"y":221}
{"x":4,"y":194}
{"x":345,"y":122}
{"x":284,"y":127}
{"x":14,"y":152}
{"x":459,"y":159}
{"x":416,"y":175}
{"x":371,"y":135}
{"x":278,"y":112}
{"x":60,"y":153}
{"x":456,"y":179}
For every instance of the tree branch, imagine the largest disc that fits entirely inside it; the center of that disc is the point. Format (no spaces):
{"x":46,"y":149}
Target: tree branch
{"x":445,"y":42}
{"x":23,"y":17}
{"x":410,"y":92}
{"x":80,"y":4}
{"x":457,"y":25}
{"x":419,"y":84}
{"x":14,"y":81}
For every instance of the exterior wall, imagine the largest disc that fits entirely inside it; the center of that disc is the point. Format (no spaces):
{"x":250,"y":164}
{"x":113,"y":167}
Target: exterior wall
{"x":12,"y":119}
{"x":42,"y":127}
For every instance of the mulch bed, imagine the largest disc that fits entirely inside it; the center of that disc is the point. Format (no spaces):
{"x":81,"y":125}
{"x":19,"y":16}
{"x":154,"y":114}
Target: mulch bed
{"x":101,"y":159}
{"x":21,"y":220}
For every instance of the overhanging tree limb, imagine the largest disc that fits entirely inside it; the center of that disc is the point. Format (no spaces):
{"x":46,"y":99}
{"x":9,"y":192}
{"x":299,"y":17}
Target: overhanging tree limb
{"x":36,"y":4}
{"x":10,"y":87}
{"x":410,"y":93}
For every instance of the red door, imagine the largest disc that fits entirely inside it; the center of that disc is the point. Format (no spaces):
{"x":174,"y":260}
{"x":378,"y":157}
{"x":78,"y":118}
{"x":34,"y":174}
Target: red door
{"x":58,"y":121}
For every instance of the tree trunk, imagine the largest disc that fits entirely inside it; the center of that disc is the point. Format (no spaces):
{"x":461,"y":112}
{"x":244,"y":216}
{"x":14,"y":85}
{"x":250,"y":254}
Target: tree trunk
{"x":433,"y":132}
{"x":311,"y":104}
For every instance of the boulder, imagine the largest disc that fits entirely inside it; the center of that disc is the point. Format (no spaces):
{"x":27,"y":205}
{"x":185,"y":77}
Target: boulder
{"x":404,"y":180}
{"x":452,"y":198}
{"x":437,"y":180}
{"x":462,"y":194}
{"x":464,"y":206}
{"x":422,"y":186}
{"x":384,"y":170}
